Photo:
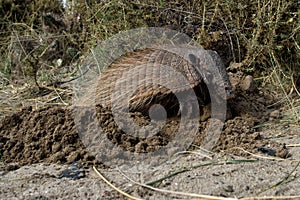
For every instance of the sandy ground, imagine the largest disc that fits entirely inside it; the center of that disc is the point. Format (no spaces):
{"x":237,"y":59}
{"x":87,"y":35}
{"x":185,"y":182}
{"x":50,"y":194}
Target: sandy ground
{"x":228,"y":176}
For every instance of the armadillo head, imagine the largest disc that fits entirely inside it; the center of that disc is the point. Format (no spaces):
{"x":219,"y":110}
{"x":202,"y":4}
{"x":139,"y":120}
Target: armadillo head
{"x":213,"y":72}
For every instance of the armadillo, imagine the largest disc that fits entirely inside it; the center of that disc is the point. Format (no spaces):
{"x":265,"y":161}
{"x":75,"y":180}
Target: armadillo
{"x":199,"y":67}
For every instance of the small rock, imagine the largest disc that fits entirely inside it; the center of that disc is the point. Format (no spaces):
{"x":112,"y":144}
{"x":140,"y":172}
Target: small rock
{"x":270,"y":152}
{"x":229,"y":188}
{"x":275,"y":114}
{"x":235,"y":79}
{"x":12,"y":166}
{"x":237,"y":66}
{"x":73,"y":157}
{"x":248,"y":84}
{"x":75,"y":171}
{"x":283,"y":152}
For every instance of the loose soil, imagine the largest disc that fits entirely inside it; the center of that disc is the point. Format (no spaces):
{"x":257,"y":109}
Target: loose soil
{"x":38,"y":145}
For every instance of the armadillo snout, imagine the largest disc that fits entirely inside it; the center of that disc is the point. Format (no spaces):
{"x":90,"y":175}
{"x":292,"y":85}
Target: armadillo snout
{"x":224,"y":90}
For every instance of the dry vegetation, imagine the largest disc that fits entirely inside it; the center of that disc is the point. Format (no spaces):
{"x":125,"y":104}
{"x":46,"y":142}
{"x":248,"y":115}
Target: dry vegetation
{"x":43,"y":43}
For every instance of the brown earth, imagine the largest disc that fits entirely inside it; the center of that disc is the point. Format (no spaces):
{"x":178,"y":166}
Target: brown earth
{"x":49,"y":135}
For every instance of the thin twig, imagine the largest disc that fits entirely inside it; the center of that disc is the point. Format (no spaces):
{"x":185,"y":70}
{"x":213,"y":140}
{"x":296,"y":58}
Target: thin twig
{"x":185,"y":169}
{"x":270,"y":197}
{"x":292,"y":145}
{"x":265,"y":157}
{"x":295,"y":87}
{"x":114,"y":187}
{"x":175,"y":192}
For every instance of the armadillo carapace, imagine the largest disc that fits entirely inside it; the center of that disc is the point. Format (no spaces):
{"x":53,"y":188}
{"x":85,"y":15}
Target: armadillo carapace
{"x":136,"y":79}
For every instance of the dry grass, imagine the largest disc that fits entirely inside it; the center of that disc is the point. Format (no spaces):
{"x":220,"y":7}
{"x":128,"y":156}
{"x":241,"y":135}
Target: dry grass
{"x":46,"y":44}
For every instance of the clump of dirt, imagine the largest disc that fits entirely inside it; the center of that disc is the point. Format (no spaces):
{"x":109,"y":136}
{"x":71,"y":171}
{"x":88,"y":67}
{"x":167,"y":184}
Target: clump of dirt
{"x":49,"y":134}
{"x":46,"y":134}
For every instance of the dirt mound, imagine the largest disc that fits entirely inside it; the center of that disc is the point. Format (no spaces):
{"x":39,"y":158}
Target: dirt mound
{"x":46,"y":135}
{"x":49,"y":134}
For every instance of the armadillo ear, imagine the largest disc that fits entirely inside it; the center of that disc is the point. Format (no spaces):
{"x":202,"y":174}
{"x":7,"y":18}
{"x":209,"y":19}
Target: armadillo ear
{"x":193,"y":59}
